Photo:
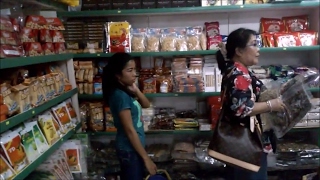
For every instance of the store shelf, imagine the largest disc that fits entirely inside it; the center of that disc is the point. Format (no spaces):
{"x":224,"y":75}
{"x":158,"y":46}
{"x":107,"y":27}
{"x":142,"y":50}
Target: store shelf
{"x":207,"y":52}
{"x":19,"y":118}
{"x":36,"y":5}
{"x":188,"y":132}
{"x":314,"y":89}
{"x":31,"y":167}
{"x":294,"y":168}
{"x":25,"y":61}
{"x":189,"y":10}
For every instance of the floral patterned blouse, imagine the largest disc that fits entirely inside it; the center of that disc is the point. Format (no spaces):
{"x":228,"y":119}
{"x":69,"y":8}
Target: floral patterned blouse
{"x":243,"y":89}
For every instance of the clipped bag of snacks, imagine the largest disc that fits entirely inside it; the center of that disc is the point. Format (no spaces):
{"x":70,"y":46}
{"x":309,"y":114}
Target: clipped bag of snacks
{"x":138,"y":39}
{"x":168,"y":39}
{"x":153,"y":40}
{"x":297,"y":99}
{"x":118,"y":36}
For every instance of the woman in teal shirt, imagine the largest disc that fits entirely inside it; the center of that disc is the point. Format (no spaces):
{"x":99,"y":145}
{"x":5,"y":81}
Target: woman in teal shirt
{"x":125,"y":101}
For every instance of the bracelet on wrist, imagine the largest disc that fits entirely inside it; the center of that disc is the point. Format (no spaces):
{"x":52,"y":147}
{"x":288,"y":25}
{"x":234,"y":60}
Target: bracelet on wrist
{"x":269,"y":105}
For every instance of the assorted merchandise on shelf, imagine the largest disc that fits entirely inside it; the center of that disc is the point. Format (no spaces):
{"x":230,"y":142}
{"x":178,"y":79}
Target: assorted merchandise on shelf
{"x":66,"y":161}
{"x":26,"y":88}
{"x":26,"y":142}
{"x":122,"y":37}
{"x":30,"y":36}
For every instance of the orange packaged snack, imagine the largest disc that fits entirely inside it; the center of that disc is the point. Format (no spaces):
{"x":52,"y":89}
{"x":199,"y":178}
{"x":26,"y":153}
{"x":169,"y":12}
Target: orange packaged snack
{"x":271,"y":25}
{"x":287,"y":39}
{"x":14,"y":151}
{"x":36,"y":22}
{"x":29,"y":35}
{"x":72,"y":153}
{"x":308,"y":38}
{"x":57,"y":36}
{"x":45,"y":36}
{"x":33,"y":49}
{"x":62,"y":115}
{"x":6,"y":172}
{"x":296,"y":23}
{"x":119,"y":36}
{"x":72,"y":112}
{"x":48,"y":48}
{"x":54,"y":24}
{"x":6,"y":24}
{"x":60,"y":48}
{"x":9,"y":38}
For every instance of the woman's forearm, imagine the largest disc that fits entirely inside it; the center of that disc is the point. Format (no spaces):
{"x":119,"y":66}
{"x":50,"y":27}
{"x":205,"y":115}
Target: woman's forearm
{"x":135,"y":141}
{"x":259,"y":108}
{"x":143,"y":100}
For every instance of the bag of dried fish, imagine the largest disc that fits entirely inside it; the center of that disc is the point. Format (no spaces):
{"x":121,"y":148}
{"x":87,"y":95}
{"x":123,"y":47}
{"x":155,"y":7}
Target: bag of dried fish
{"x":297,"y":100}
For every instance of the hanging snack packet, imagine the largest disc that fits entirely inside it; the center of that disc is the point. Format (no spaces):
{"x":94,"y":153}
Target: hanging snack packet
{"x":48,"y":128}
{"x":193,"y":38}
{"x":153,"y":40}
{"x":168,"y":39}
{"x":138,"y":38}
{"x":14,"y":151}
{"x":29,"y":143}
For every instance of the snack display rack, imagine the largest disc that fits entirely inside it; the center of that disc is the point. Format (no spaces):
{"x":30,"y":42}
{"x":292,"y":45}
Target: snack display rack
{"x":157,"y":18}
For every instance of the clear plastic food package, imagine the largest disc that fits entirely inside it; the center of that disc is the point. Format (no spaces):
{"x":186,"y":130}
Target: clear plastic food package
{"x":297,"y":99}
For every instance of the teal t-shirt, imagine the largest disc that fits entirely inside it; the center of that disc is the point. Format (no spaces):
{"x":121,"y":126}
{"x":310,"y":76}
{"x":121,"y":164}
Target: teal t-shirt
{"x":118,"y":101}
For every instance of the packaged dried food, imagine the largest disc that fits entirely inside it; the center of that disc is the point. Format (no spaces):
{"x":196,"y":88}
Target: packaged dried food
{"x":168,"y":39}
{"x":49,"y":85}
{"x":268,"y":40}
{"x":7,"y":51}
{"x":9,"y":38}
{"x":287,"y":39}
{"x":5,"y":24}
{"x":54,"y":24}
{"x":138,"y":37}
{"x":22,"y":96}
{"x":212,"y":29}
{"x":48,"y":48}
{"x":158,"y":65}
{"x":57,"y":36}
{"x":36,"y":22}
{"x":213,"y":42}
{"x":118,"y":34}
{"x":308,"y":38}
{"x":29,"y":143}
{"x":153,"y":40}
{"x":59,"y":48}
{"x":159,"y":152}
{"x":46,"y":36}
{"x":71,"y":111}
{"x":61,"y":113}
{"x":72,"y":150}
{"x":193,"y":38}
{"x":149,"y":85}
{"x":179,"y":65}
{"x":8,"y":99}
{"x":48,"y":128}
{"x":181,"y":40}
{"x":203,"y":41}
{"x":271,"y":25}
{"x":96,"y":117}
{"x":14,"y":151}
{"x":36,"y":97}
{"x":297,"y":100}
{"x":93,"y":46}
{"x":29,"y":35}
{"x":6,"y":170}
{"x":15,"y":24}
{"x":296,"y":23}
{"x":33,"y":49}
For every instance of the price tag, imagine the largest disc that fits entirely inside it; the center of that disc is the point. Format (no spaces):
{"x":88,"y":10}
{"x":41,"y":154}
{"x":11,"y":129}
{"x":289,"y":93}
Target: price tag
{"x":7,"y":123}
{"x":98,"y":54}
{"x":61,"y":139}
{"x":241,"y":6}
{"x":284,"y":49}
{"x":176,"y":94}
{"x":119,"y":12}
{"x":33,"y":112}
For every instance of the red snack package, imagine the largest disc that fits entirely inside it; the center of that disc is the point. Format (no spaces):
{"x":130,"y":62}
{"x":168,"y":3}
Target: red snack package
{"x":29,"y":35}
{"x":15,"y":24}
{"x":45,"y":36}
{"x":54,"y":24}
{"x":36,"y":22}
{"x":5,"y":24}
{"x":59,"y":48}
{"x":57,"y":36}
{"x":271,"y":25}
{"x":9,"y":38}
{"x":268,"y":40}
{"x":11,"y":51}
{"x":287,"y":39}
{"x":33,"y":49}
{"x":296,"y":23}
{"x":308,"y":38}
{"x":213,"y":42}
{"x":48,"y":48}
{"x":212,"y":29}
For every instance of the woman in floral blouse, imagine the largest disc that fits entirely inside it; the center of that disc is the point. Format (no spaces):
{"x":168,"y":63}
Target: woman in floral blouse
{"x":243,"y":90}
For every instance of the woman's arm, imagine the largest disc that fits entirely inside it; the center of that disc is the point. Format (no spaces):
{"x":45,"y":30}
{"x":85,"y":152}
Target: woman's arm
{"x":143,"y":100}
{"x":259,"y":108}
{"x":126,"y":121}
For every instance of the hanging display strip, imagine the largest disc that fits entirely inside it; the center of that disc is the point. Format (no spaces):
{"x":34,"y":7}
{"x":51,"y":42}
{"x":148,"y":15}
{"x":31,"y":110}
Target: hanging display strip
{"x":189,"y":10}
{"x":19,"y":118}
{"x":31,"y":167}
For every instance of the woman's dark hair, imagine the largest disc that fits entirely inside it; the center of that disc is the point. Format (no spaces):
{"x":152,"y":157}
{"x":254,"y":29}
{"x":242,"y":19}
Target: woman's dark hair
{"x":115,"y":65}
{"x":236,"y":39}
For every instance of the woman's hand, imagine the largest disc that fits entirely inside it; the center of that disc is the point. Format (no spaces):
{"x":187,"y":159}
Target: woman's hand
{"x":151,"y":167}
{"x":277,"y":105}
{"x":134,"y":89}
